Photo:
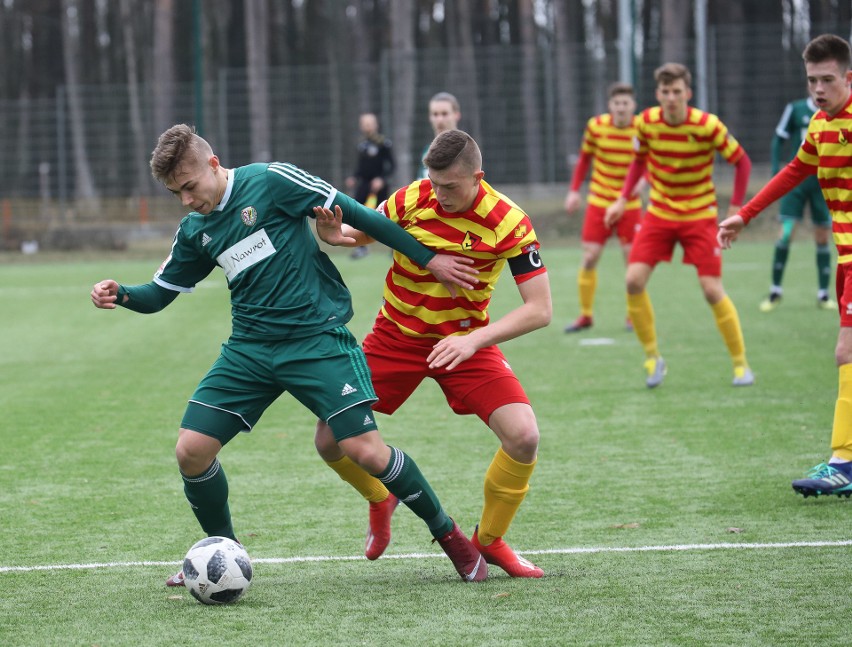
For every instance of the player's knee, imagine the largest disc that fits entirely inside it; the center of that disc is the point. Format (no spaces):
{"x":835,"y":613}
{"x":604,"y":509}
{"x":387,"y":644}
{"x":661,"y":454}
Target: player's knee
{"x":634,"y":284}
{"x":195,"y":452}
{"x":326,"y":445}
{"x":367,"y":450}
{"x":526,"y":440}
{"x":843,"y":353}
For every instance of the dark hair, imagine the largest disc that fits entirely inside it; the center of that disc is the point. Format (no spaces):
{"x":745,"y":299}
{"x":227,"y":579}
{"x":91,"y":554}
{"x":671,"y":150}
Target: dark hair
{"x":451,"y":147}
{"x":620,"y":88}
{"x":178,"y":144}
{"x":668,"y":73}
{"x":828,"y":47}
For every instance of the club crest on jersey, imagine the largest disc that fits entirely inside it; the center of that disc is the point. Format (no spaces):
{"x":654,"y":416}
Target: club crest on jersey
{"x":470,"y":241}
{"x":249,"y":216}
{"x":844,"y":136}
{"x":521,"y":231}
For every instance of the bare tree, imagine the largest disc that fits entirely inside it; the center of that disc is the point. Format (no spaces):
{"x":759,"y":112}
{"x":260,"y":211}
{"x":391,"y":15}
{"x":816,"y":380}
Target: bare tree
{"x":567,"y":31}
{"x":675,"y":16}
{"x":404,"y":79}
{"x":462,"y":67}
{"x":531,"y":105}
{"x":141,"y":175}
{"x":84,"y":182}
{"x":257,"y":58}
{"x":163,"y":65}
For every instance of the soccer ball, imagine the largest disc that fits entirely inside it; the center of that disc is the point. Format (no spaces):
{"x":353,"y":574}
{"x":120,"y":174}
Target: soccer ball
{"x":217,"y":570}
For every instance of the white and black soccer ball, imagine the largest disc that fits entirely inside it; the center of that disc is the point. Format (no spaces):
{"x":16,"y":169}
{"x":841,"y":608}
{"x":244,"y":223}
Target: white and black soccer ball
{"x":217,"y":570}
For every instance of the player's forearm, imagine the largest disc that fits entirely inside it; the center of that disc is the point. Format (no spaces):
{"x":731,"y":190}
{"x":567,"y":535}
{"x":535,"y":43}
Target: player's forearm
{"x":634,"y":174}
{"x":383,"y":230}
{"x":788,"y":178}
{"x":777,"y":150}
{"x":580,"y":171}
{"x":741,"y":176}
{"x":535,"y":312}
{"x":147,"y":299}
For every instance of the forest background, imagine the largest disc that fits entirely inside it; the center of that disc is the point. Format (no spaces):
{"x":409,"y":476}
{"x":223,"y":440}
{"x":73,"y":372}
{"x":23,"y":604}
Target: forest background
{"x":89,"y":84}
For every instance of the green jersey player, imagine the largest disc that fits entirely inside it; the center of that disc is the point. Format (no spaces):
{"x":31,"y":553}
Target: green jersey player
{"x":789,"y":134}
{"x":289,"y":307}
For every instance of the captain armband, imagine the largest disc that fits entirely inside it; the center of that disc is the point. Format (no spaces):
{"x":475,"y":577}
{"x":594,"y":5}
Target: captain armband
{"x":527,"y":262}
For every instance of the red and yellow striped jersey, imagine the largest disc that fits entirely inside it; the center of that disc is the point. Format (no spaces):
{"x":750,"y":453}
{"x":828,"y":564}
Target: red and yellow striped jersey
{"x":612,"y":150}
{"x":680,"y":162}
{"x":828,"y":148}
{"x":493,"y":230}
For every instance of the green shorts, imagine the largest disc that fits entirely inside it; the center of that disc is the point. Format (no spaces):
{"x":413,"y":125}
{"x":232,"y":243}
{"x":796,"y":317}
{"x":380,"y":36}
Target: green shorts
{"x":792,"y":206}
{"x":327,"y":373}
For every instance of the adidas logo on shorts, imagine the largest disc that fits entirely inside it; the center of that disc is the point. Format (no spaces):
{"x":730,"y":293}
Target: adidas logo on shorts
{"x":367,"y":421}
{"x":348,"y":389}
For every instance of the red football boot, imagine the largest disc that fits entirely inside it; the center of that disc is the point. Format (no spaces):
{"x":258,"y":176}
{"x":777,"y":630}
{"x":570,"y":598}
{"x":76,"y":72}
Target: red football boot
{"x":499,"y":553}
{"x":379,"y":531}
{"x":469,"y":564}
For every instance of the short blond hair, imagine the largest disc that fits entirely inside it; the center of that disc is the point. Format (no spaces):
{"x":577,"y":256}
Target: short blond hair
{"x":177,"y":145}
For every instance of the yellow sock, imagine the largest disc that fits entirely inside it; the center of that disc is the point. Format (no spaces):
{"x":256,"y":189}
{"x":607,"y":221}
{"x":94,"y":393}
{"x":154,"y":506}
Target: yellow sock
{"x":506,"y":484}
{"x":368,"y":485}
{"x":641,"y":313}
{"x":841,"y":432}
{"x":587,"y":282}
{"x":728,"y":323}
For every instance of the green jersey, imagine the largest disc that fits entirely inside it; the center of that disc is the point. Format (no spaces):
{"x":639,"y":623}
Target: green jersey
{"x":283,"y":286}
{"x":791,"y":130}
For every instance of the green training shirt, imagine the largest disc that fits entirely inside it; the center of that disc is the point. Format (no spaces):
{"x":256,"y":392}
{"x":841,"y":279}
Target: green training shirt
{"x":792,"y":128}
{"x":282,"y":284}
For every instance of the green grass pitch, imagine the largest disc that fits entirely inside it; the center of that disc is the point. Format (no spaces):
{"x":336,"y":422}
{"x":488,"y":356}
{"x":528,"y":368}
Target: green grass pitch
{"x":660,"y":517}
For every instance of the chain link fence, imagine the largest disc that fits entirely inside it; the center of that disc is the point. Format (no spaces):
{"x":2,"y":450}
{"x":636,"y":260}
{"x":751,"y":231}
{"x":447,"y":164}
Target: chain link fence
{"x":527,"y":109}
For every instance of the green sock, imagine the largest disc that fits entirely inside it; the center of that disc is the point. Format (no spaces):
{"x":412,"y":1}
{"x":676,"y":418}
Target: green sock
{"x":207,"y":494}
{"x":823,"y":261}
{"x":404,"y":479}
{"x":779,"y":262}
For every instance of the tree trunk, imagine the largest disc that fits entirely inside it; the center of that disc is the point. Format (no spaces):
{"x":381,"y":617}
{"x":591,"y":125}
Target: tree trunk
{"x":163,"y":70}
{"x":257,"y":58}
{"x":675,"y":31}
{"x":141,"y":173}
{"x":84,"y":185}
{"x":462,"y":66}
{"x":531,"y":106}
{"x":567,"y":30}
{"x":403,"y":80}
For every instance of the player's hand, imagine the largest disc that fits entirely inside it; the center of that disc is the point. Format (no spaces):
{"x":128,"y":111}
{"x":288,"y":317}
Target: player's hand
{"x":615,"y":211}
{"x":572,"y":202}
{"x":104,"y":294}
{"x":330,"y":227}
{"x":452,"y":351}
{"x":452,"y":271}
{"x":729,"y":229}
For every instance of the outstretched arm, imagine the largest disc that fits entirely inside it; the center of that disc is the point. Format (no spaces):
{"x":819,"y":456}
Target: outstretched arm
{"x":147,"y":299}
{"x":788,"y":178}
{"x":449,"y":269}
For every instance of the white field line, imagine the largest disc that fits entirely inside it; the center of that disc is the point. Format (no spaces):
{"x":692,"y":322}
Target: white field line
{"x":551,"y":551}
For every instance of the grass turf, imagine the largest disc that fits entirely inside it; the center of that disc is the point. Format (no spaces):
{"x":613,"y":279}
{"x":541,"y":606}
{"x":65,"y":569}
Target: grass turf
{"x":91,"y":401}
